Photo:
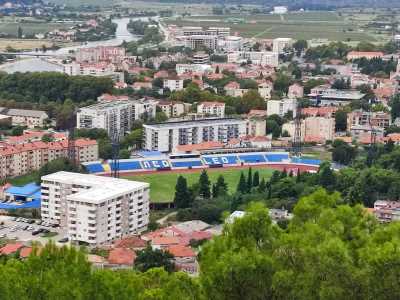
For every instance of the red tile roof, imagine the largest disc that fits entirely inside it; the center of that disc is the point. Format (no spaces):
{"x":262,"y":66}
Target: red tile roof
{"x":133,"y":242}
{"x":121,"y":256}
{"x":11,"y":248}
{"x":181,"y":251}
{"x":25,"y":252}
{"x":198,"y":147}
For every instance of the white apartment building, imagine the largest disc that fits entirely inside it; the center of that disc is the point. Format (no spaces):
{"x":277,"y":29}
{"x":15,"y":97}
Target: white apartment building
{"x":313,"y":129}
{"x":191,"y":68}
{"x":100,"y":69}
{"x":281,"y":107}
{"x":279,"y":10}
{"x":262,"y":58}
{"x":173,"y":83}
{"x":201,"y":58}
{"x":280,"y":44}
{"x":100,"y":53}
{"x":215,"y":109}
{"x":94,"y":209}
{"x":231,"y":43}
{"x":198,"y":41}
{"x":116,"y":117}
{"x":165,"y":137}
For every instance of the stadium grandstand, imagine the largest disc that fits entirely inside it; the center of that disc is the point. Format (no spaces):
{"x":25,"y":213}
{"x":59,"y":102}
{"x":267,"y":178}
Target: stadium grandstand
{"x":156,"y":161}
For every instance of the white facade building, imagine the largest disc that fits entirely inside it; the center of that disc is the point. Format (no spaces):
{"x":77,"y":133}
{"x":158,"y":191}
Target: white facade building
{"x":116,"y":117}
{"x":280,"y":44}
{"x":173,"y":84}
{"x":94,"y":209}
{"x":262,"y":58}
{"x":198,"y":41}
{"x":216,"y":109}
{"x":231,"y":43}
{"x":281,"y":107}
{"x":165,"y":137}
{"x":279,"y":10}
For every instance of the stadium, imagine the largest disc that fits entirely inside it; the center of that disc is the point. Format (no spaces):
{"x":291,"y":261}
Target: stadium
{"x":153,"y":161}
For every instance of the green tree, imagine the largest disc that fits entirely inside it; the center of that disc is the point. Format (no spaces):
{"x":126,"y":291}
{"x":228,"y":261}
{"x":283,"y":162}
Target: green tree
{"x":148,"y":258}
{"x":183,"y":197}
{"x":327,"y":178}
{"x":220,"y":188}
{"x":340,"y":120}
{"x":242,"y":185}
{"x":256,"y":179}
{"x":249,"y":180}
{"x":204,"y":185}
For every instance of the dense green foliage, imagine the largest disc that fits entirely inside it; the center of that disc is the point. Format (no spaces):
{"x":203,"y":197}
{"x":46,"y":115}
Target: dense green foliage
{"x":52,"y":86}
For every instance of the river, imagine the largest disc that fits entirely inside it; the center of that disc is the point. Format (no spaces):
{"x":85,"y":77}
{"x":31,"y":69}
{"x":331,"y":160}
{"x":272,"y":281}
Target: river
{"x":42,"y":65}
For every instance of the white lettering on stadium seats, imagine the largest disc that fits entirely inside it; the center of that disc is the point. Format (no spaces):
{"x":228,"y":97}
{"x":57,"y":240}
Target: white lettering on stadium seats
{"x":215,"y":160}
{"x":224,"y":160}
{"x":146,"y":165}
{"x":155,"y":163}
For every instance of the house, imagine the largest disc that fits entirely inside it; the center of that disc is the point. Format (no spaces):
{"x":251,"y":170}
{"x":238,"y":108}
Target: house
{"x":233,"y":89}
{"x":142,"y":85}
{"x":265,"y":89}
{"x":121,"y":257}
{"x":132,"y":242}
{"x":172,"y":109}
{"x":11,"y":248}
{"x":24,"y":117}
{"x":295,"y":91}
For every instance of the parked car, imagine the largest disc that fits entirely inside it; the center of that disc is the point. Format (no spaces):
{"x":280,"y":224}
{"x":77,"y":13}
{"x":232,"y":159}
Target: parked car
{"x":37,"y":231}
{"x":63,"y":240}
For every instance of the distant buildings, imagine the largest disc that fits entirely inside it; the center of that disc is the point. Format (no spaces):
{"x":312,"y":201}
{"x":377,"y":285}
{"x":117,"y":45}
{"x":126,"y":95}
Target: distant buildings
{"x":352,"y":55}
{"x":295,"y":91}
{"x":199,"y":41}
{"x":172,"y":109}
{"x":100,"y":53}
{"x":279,"y":10}
{"x":313,"y":129}
{"x":201,"y":58}
{"x":116,"y":117}
{"x":97,"y":69}
{"x":94,"y":209}
{"x":230,"y":43}
{"x":262,"y":58}
{"x":166,"y":137}
{"x":364,"y":118}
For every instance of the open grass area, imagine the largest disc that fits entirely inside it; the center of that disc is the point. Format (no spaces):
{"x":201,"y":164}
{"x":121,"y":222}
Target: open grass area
{"x":22,"y":180}
{"x":162,"y":185}
{"x":31,"y":27}
{"x":22,"y":44}
{"x":299,"y":25}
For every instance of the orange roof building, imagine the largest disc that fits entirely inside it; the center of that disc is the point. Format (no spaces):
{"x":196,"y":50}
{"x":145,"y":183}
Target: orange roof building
{"x":122,"y":256}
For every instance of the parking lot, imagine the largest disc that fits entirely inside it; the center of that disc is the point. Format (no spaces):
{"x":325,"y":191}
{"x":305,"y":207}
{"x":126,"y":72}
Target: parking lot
{"x":27,"y":230}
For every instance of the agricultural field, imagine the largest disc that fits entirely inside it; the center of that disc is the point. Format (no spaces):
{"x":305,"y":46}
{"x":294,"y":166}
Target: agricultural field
{"x":162,"y":185}
{"x":23,"y":44}
{"x":29,"y":27}
{"x":300,"y":25}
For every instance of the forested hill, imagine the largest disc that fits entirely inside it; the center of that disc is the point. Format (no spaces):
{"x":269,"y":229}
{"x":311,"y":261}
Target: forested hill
{"x":306,"y":4}
{"x":20,"y":2}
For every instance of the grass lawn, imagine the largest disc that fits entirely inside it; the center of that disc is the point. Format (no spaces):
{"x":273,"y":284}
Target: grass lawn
{"x":30,"y":27}
{"x":22,"y":180}
{"x":162,"y":185}
{"x":22,"y":44}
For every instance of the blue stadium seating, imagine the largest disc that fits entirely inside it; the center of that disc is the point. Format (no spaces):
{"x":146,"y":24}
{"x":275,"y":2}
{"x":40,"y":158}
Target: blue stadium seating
{"x":94,"y":168}
{"x":156,"y":164}
{"x":306,"y":161}
{"x":252,"y":158}
{"x":276,"y":157}
{"x":186,"y":164}
{"x":221,"y":160}
{"x":126,"y":165}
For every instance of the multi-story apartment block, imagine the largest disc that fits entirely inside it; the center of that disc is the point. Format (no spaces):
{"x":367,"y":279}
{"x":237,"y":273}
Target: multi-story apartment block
{"x":173,"y":83}
{"x":165,"y":137}
{"x":280,"y":44}
{"x":99,"y":69}
{"x":281,"y":107}
{"x":116,"y":117}
{"x":24,"y":117}
{"x":364,"y":118}
{"x":296,"y":91}
{"x":214,"y":31}
{"x":94,"y":209}
{"x":100,"y":53}
{"x":201,"y":58}
{"x":262,"y":58}
{"x":230,"y":44}
{"x":172,"y":109}
{"x":199,"y":41}
{"x":313,"y":129}
{"x":215,"y":109}
{"x":21,"y":159}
